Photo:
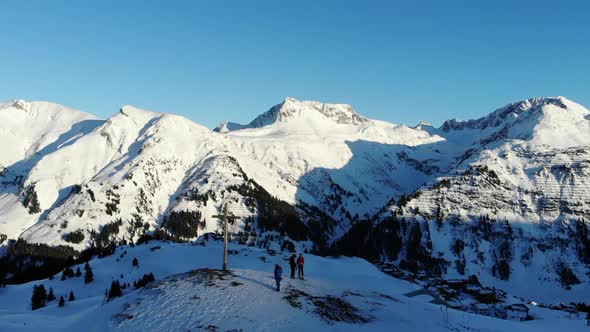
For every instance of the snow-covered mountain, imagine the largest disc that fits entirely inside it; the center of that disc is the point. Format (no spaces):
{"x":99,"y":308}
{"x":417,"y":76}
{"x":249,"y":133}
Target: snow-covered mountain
{"x":344,"y":294}
{"x":511,"y":205}
{"x":502,"y":197}
{"x":143,"y":166}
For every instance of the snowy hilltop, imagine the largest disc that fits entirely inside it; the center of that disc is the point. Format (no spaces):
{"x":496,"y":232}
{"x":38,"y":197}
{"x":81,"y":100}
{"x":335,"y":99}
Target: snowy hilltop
{"x":504,"y":198}
{"x":344,"y":294}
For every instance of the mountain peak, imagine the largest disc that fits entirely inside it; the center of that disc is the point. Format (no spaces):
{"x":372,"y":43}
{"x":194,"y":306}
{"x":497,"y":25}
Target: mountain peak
{"x":510,"y":111}
{"x":137,"y":113}
{"x":292,"y":108}
{"x":290,"y":100}
{"x":423,"y":124}
{"x":42,"y":110}
{"x":227,"y":126}
{"x":341,"y":113}
{"x":21,"y":104}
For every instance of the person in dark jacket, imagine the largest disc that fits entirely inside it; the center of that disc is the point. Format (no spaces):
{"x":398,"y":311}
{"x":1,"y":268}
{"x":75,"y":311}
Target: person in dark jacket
{"x":278,"y":276}
{"x":300,"y":262}
{"x":293,"y":265}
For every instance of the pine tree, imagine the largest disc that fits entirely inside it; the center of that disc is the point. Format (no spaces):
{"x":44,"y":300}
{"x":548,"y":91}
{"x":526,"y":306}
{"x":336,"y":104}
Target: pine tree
{"x":67,"y":273}
{"x":43,"y":292}
{"x":78,"y":272}
{"x":50,"y":296}
{"x":32,"y":202}
{"x":72,"y":297}
{"x":135,"y":262}
{"x":88,"y":276}
{"x":62,"y":302}
{"x":143,"y":281}
{"x":115,"y":290}
{"x":39,"y":298}
{"x":87,"y":266}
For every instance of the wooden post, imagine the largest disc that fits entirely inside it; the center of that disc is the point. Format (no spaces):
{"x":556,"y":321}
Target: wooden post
{"x":225,"y":217}
{"x":225,"y":238}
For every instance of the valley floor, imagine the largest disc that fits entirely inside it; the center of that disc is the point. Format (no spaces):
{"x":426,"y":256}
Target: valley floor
{"x":338,"y":294}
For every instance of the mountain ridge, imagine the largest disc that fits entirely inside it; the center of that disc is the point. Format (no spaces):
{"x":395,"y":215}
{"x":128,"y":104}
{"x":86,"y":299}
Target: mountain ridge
{"x":306,"y":180}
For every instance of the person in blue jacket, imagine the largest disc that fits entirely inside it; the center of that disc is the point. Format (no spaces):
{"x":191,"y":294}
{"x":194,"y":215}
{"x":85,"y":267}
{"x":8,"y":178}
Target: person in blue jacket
{"x":278,"y":276}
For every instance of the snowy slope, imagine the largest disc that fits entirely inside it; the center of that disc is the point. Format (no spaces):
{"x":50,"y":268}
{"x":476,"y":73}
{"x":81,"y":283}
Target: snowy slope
{"x":29,"y":131}
{"x":517,"y":201}
{"x":30,"y":127}
{"x":142,"y":164}
{"x":312,"y":149}
{"x":144,"y":169}
{"x":330,"y":299}
{"x":308,"y":172}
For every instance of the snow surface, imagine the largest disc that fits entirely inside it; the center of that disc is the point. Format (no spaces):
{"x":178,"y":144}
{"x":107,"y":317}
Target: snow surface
{"x":180,"y":300}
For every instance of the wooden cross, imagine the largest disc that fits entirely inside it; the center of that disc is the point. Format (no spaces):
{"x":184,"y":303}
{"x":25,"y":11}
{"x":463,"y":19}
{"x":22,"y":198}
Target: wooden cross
{"x":225,"y":217}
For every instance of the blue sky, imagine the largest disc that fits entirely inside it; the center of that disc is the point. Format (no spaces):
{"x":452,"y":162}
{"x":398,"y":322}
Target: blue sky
{"x":220,"y":60}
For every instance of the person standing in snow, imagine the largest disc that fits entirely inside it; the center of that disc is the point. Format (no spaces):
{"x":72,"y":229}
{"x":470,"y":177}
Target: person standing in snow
{"x":293,"y":265}
{"x":278,"y":276}
{"x":300,"y":262}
